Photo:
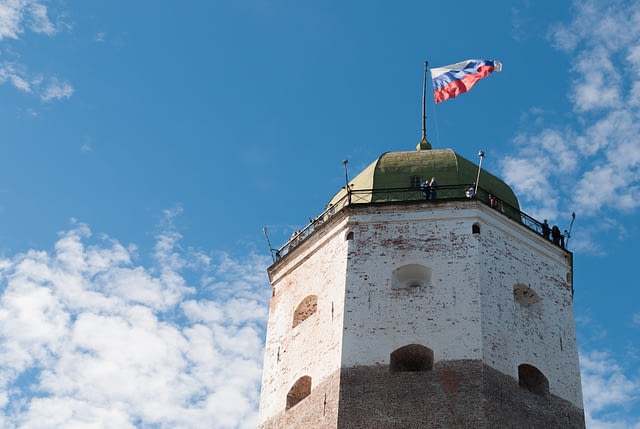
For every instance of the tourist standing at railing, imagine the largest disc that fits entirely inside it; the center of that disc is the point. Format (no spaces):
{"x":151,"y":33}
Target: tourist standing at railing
{"x":426,"y":189}
{"x":546,"y":230}
{"x":471,"y":191}
{"x":555,"y":235}
{"x":493,"y":201}
{"x":434,"y":187}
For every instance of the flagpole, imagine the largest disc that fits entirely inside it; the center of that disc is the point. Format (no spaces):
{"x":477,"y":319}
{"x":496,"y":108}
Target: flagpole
{"x":424,"y":102}
{"x":424,"y":143}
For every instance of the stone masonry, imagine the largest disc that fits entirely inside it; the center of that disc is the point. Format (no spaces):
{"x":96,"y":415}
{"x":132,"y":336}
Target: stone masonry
{"x":486,"y":303}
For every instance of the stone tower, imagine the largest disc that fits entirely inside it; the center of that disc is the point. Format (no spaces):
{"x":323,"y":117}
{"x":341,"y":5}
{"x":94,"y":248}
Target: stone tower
{"x":397,"y":308}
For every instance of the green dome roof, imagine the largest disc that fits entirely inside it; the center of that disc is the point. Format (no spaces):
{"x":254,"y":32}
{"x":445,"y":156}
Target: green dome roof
{"x":396,"y":170}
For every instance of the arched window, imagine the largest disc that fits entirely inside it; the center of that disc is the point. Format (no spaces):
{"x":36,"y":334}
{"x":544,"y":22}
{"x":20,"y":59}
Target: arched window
{"x":524,"y":295}
{"x":305,"y":309}
{"x":530,"y":378}
{"x":411,"y":275}
{"x":300,"y":390}
{"x":349,"y":235}
{"x":412,"y":357}
{"x":475,"y":228}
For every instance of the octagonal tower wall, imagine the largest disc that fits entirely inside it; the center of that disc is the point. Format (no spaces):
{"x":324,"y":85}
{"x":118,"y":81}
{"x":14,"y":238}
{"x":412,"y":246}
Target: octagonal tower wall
{"x":442,"y":313}
{"x":304,"y":331}
{"x":439,"y":279}
{"x":527,"y":305}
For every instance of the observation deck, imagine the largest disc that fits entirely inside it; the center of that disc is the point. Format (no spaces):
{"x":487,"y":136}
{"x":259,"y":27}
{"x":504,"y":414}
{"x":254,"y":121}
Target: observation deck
{"x":410,"y":195}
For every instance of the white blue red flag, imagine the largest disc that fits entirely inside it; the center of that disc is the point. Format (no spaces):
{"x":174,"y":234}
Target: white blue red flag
{"x":451,"y":81}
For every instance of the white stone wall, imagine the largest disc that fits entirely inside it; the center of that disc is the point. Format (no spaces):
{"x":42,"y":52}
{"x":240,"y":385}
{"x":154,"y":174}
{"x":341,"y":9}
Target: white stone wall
{"x":316,"y":267}
{"x":542,"y":334}
{"x":444,"y":315}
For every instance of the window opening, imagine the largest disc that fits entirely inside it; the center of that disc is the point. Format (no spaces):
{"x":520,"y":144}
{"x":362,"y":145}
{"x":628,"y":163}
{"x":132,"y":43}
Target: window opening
{"x":411,"y":358}
{"x":530,"y":378}
{"x":300,"y":390}
{"x":305,"y":309}
{"x":524,"y":295}
{"x":410,"y":276}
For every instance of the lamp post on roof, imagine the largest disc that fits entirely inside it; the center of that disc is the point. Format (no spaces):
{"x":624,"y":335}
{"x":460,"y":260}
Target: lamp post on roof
{"x":271,"y":249}
{"x":345,"y":162}
{"x":568,"y":233}
{"x":481,"y":155}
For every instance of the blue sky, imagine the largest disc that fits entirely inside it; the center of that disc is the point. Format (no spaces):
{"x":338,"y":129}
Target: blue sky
{"x":144,"y":146}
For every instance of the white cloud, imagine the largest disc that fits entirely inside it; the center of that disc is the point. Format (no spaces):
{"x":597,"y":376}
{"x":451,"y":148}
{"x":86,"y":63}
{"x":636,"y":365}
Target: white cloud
{"x":608,"y":392}
{"x":597,"y":162}
{"x":596,"y":87}
{"x":90,"y":339}
{"x":20,"y":83}
{"x":12,"y":74}
{"x":14,"y":14}
{"x":16,"y":17}
{"x":56,"y":90}
{"x":11,"y":16}
{"x":16,"y":75}
{"x":38,"y":19}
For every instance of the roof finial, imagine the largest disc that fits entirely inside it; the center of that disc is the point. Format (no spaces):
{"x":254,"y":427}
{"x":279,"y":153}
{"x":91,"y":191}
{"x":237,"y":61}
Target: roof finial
{"x":424,"y":143}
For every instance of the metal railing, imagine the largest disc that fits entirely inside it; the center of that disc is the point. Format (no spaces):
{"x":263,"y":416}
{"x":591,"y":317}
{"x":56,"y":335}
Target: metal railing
{"x":409,"y":196}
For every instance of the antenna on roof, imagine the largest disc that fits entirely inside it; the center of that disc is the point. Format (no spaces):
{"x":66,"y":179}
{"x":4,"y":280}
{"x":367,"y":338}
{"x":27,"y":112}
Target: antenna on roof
{"x":424,"y":143}
{"x":271,"y":249}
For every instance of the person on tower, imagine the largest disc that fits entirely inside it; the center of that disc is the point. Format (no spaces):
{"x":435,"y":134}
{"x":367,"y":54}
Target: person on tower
{"x":493,"y":201}
{"x":546,"y":230}
{"x":434,"y":187}
{"x":426,"y":189}
{"x":555,"y":235}
{"x":471,"y":191}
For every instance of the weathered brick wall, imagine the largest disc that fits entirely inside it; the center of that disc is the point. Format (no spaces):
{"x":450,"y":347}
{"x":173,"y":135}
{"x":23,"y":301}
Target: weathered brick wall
{"x":454,"y":395}
{"x":507,"y":405}
{"x":446,"y":397}
{"x":317,"y":411}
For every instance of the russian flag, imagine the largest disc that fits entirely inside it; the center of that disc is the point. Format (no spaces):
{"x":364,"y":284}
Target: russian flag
{"x":451,"y":81}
